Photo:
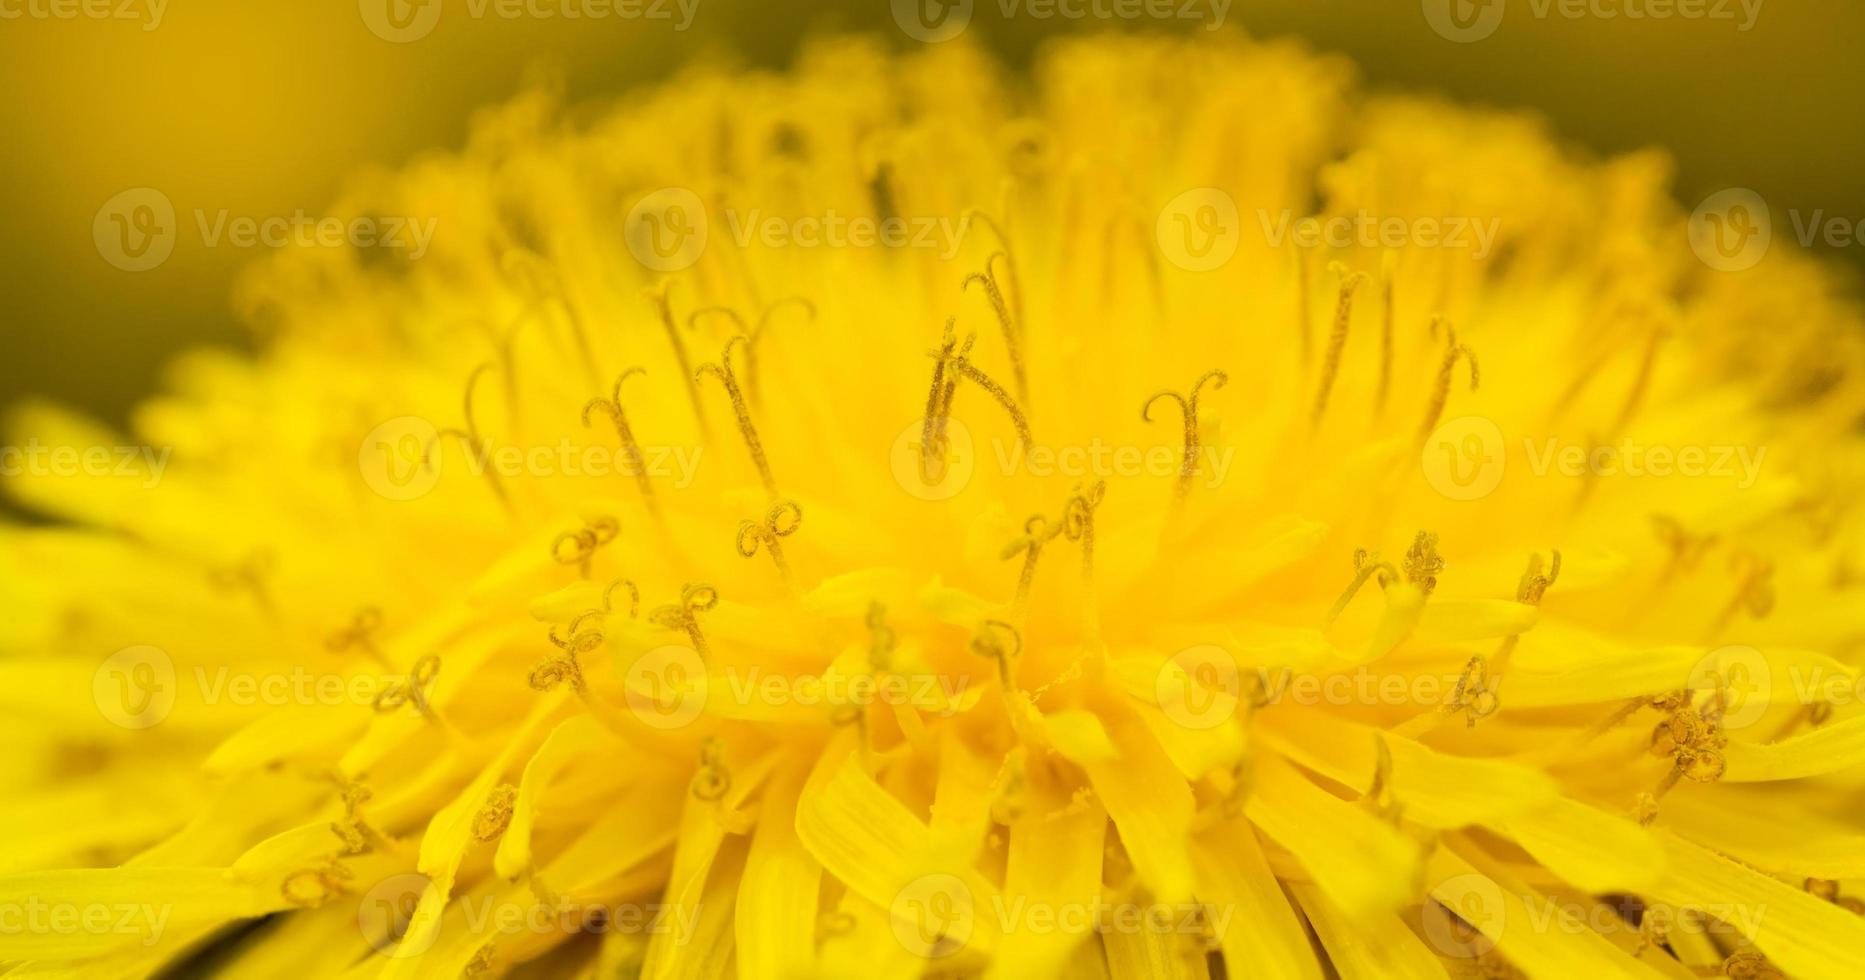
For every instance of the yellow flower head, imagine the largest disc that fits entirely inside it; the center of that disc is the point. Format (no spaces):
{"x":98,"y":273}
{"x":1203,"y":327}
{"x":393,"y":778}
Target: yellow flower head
{"x":1171,"y":515}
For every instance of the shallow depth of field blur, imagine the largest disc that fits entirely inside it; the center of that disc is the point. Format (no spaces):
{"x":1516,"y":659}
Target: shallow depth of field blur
{"x":264,"y":109}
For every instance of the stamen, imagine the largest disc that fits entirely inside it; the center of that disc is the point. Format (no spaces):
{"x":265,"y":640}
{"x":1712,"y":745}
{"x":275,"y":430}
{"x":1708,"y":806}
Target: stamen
{"x":311,"y":888}
{"x":951,"y":362}
{"x":584,"y":542}
{"x":626,"y":434}
{"x":360,"y":635}
{"x":542,"y":279}
{"x":248,"y":575}
{"x":1037,"y":532}
{"x":881,"y":638}
{"x":782,"y":521}
{"x":754,"y":335}
{"x":1423,"y":563}
{"x":1534,"y":584}
{"x":1013,"y":339}
{"x":1641,"y":381}
{"x":634,"y":598}
{"x":1337,"y":338}
{"x":965,"y":369}
{"x":1364,"y":568}
{"x":1010,"y":266}
{"x":1387,"y":263}
{"x":1379,"y":797}
{"x":1242,"y":782}
{"x":713,"y":780}
{"x":1078,"y":524}
{"x":1754,"y":588}
{"x":355,"y":833}
{"x":1478,"y":694}
{"x":694,"y":598}
{"x":1748,"y":964}
{"x":1302,"y":327}
{"x":1686,"y":548}
{"x":1441,"y":391}
{"x":988,"y":642}
{"x":493,"y":817}
{"x":1693,"y":741}
{"x":485,"y":958}
{"x":412,"y":689}
{"x":1188,"y":410}
{"x":723,"y":371}
{"x":933,"y":444}
{"x":471,"y":439}
{"x":663,"y":303}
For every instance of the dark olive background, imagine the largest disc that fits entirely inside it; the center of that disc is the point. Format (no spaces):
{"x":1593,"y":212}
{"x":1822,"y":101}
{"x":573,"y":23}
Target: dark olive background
{"x":264,"y":108}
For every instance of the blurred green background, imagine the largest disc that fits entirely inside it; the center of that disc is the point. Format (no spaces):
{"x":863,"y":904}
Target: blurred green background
{"x":264,"y":108}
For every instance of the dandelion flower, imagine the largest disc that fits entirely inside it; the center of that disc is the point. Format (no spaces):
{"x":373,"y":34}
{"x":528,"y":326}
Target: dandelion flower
{"x":1024,"y":547}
